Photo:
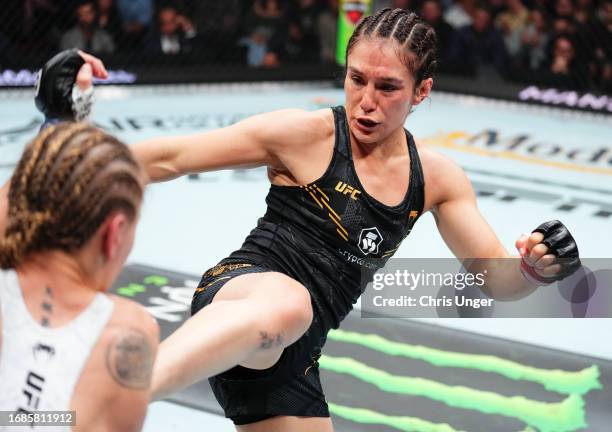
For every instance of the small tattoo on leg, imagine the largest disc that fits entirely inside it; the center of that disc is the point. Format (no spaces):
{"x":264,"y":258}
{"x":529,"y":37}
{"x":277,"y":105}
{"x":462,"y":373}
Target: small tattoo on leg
{"x":268,"y":341}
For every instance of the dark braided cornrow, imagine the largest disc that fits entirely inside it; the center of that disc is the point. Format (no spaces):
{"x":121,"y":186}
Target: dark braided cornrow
{"x":416,"y":36}
{"x":69,"y":179}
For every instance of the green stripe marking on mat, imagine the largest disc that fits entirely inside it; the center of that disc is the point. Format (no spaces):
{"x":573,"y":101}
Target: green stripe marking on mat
{"x":560,"y":381}
{"x":567,"y":415}
{"x":402,"y":423}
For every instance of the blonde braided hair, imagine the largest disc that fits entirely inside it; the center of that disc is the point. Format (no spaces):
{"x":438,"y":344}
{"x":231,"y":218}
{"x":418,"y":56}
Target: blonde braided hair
{"x":69,"y":179}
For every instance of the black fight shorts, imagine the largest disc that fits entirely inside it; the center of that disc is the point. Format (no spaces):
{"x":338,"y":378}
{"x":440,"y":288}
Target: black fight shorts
{"x":289,"y":388}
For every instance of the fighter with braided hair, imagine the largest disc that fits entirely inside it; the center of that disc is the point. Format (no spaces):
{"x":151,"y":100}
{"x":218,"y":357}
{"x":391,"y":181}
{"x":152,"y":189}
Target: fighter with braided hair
{"x":73,"y":203}
{"x":347,"y":186}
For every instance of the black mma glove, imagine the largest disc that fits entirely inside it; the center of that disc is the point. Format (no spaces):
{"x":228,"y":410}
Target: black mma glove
{"x":57,"y":95}
{"x":561,"y":244}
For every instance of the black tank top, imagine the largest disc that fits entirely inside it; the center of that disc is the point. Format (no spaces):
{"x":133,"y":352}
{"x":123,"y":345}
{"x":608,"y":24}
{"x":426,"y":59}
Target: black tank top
{"x":330,"y":235}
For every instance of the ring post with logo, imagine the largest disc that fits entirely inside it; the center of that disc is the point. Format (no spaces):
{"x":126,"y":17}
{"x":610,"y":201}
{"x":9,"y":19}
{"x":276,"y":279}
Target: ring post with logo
{"x":351,"y":12}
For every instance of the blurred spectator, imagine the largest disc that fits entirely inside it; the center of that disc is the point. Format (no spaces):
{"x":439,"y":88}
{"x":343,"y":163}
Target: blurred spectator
{"x":477,"y":44}
{"x":108,"y":18}
{"x":175,"y":33}
{"x":218,"y":16}
{"x":563,"y":55}
{"x":584,"y":10}
{"x":496,"y":7}
{"x":38,"y":29}
{"x":327,"y":26}
{"x":533,"y":40}
{"x":299,"y":42}
{"x":563,"y":21}
{"x":269,"y":14}
{"x":266,"y":19}
{"x":136,"y":18}
{"x":564,"y":9}
{"x":563,"y":70}
{"x":431,"y":12}
{"x":563,"y":41}
{"x":138,"y":13}
{"x":221,"y":22}
{"x":460,"y":14}
{"x":598,"y":36}
{"x":257,"y":48}
{"x":563,"y":25}
{"x":86,"y":35}
{"x":37,"y":11}
{"x":511,"y":21}
{"x":268,"y":9}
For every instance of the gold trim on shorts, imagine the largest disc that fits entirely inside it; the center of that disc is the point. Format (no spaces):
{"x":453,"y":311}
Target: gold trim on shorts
{"x":218,"y":270}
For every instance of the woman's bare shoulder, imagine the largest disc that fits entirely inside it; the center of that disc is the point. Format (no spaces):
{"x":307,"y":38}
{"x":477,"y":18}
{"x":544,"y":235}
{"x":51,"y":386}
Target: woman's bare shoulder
{"x":444,"y":178}
{"x":129,"y":314}
{"x":296,"y":125}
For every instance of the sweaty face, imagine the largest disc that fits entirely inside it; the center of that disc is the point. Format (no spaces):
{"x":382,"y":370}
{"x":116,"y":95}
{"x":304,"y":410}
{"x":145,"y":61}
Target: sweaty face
{"x":379,"y":90}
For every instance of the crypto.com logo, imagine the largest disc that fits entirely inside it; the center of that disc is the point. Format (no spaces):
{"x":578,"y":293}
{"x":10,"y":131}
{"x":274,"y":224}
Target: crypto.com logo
{"x":369,"y":240}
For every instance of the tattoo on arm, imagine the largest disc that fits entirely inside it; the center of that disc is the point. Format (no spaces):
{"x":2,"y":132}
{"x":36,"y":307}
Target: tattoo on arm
{"x":268,"y":341}
{"x":129,"y":359}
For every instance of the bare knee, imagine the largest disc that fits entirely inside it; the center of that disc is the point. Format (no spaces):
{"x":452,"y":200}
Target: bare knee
{"x":288,"y":310}
{"x":295,"y":308}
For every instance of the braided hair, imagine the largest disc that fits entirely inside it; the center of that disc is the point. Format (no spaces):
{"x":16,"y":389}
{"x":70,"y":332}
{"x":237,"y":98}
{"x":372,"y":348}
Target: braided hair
{"x":416,"y":37}
{"x":69,"y":179}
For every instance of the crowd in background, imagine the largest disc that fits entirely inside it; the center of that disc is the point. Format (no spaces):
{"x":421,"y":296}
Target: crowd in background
{"x":559,"y":43}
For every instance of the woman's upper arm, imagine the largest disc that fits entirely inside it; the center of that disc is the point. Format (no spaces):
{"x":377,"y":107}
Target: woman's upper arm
{"x":255,"y":141}
{"x":459,"y":221}
{"x":129,"y":361}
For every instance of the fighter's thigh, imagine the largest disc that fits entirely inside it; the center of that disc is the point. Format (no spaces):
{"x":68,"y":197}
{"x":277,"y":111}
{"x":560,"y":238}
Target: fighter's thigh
{"x":284,"y":305}
{"x":262,"y":285}
{"x":287,"y":423}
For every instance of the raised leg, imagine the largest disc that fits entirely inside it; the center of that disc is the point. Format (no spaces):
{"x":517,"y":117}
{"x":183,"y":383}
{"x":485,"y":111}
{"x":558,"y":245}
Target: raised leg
{"x":251,"y":320}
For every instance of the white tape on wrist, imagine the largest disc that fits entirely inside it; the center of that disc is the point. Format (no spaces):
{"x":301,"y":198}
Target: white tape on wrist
{"x":82,"y":101}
